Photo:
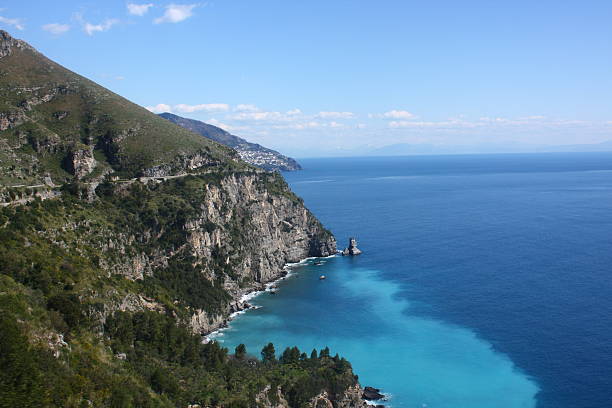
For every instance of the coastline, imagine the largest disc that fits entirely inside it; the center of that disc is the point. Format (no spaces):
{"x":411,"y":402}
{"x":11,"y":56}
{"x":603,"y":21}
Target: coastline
{"x":354,"y":396}
{"x":251,"y":293}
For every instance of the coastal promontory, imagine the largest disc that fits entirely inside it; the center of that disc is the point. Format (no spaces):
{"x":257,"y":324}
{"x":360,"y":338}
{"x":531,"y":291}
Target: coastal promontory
{"x":123,"y":239}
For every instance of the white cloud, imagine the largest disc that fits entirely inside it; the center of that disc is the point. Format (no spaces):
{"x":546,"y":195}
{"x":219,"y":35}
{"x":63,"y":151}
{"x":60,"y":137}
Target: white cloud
{"x":404,"y":123}
{"x":246,"y":107}
{"x":55,"y":28}
{"x":397,"y":114}
{"x":205,"y":107}
{"x":227,"y":127}
{"x":184,"y":108}
{"x":258,"y":116}
{"x":300,"y":126}
{"x":494,"y":120}
{"x":90,"y":29}
{"x":14,"y":22}
{"x":160,"y":108}
{"x":139,"y":9}
{"x":175,"y":13}
{"x":335,"y":115}
{"x":336,"y":125}
{"x":218,"y":123}
{"x":246,"y":115}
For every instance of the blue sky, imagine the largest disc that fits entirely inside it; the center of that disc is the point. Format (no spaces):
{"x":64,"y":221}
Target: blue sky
{"x":327,"y":77}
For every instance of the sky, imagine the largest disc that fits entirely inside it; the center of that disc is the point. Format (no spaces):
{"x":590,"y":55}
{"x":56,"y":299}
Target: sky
{"x":336,"y":77}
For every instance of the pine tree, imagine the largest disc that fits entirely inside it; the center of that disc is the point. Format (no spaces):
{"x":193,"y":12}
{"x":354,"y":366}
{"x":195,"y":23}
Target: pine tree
{"x":268,"y":353}
{"x":240,"y":351}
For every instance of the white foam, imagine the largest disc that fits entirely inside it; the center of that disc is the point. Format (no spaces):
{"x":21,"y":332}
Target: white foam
{"x":383,"y":401}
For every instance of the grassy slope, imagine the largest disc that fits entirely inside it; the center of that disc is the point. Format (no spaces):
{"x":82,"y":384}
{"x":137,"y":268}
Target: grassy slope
{"x":94,"y":114}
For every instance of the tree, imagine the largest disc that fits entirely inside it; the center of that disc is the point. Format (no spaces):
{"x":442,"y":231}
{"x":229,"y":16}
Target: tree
{"x":324,"y":352}
{"x":240,"y":351}
{"x":290,"y":355}
{"x":314,"y":354}
{"x":268,"y":353}
{"x":21,"y":382}
{"x":163,"y":382}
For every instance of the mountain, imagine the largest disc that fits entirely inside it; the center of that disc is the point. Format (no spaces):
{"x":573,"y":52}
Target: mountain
{"x":123,"y":239}
{"x":252,"y":153}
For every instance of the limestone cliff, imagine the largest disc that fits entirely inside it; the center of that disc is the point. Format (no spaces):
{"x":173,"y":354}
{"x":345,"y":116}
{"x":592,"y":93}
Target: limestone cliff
{"x":350,"y":398}
{"x":237,"y":230}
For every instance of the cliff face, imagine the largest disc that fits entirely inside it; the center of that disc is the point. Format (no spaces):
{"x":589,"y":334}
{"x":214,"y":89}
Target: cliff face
{"x":350,"y":398}
{"x":235,"y":231}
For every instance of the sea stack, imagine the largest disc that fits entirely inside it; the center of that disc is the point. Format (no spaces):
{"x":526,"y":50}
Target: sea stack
{"x":352,"y":248}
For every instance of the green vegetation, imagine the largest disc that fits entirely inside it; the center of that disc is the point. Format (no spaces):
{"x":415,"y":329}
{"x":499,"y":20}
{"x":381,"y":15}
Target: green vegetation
{"x":145,"y":359}
{"x":55,"y":296}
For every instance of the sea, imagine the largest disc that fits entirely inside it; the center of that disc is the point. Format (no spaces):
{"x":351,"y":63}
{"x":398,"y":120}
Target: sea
{"x":485,"y":280}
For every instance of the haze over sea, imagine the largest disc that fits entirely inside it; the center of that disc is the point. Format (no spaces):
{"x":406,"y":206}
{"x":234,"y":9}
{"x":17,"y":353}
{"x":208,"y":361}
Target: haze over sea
{"x":486,"y":280}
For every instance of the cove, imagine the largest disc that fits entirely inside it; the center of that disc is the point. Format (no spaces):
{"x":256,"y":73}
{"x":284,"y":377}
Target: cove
{"x":418,"y":361}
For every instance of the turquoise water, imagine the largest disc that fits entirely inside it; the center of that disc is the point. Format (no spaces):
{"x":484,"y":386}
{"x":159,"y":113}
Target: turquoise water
{"x":485,"y":280}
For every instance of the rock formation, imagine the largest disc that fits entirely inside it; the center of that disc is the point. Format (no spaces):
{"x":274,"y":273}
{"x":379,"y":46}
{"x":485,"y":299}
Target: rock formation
{"x":372,"y":394}
{"x":352,"y":248}
{"x":81,"y":162}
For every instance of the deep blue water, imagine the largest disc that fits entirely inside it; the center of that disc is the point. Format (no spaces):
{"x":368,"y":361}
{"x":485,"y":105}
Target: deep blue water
{"x":486,"y":280}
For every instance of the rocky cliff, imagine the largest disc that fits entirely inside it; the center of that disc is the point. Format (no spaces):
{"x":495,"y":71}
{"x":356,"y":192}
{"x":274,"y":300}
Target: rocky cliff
{"x":235,"y":230}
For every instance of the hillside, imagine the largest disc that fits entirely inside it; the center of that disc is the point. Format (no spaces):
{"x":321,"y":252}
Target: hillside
{"x":58,"y":124}
{"x":252,"y":153}
{"x":123,"y":239}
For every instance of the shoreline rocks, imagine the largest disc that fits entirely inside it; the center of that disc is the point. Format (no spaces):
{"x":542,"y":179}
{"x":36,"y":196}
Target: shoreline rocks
{"x":372,"y":394}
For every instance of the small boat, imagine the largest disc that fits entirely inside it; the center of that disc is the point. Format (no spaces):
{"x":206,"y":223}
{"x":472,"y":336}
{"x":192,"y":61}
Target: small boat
{"x":322,"y":277}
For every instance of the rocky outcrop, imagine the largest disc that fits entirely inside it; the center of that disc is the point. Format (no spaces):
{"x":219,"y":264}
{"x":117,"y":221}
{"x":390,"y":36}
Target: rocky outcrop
{"x":24,"y":195}
{"x":182,"y":163}
{"x":8,"y":44}
{"x":351,"y":398}
{"x":263,"y":398}
{"x":10,"y":120}
{"x":352,"y":248}
{"x":372,"y":394}
{"x":44,"y":142}
{"x":81,"y":162}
